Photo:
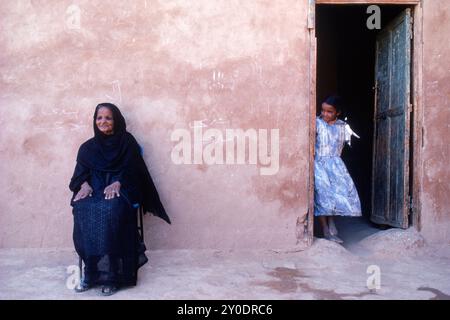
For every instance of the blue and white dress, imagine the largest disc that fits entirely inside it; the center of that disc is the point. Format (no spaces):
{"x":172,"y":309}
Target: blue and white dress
{"x":334,"y":190}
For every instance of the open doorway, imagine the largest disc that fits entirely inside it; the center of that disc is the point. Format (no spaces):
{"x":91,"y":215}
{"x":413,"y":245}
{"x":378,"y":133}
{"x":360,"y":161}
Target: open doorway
{"x":347,"y":64}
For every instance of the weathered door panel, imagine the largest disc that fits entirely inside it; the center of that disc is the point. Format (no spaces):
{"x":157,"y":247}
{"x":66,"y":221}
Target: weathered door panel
{"x":390,"y":192}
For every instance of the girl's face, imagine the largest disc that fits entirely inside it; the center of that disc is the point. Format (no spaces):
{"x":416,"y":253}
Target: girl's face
{"x":105,"y":121}
{"x":329,"y":113}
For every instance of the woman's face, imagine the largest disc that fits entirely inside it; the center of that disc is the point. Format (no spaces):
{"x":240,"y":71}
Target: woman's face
{"x":329,"y":113}
{"x":105,"y":121}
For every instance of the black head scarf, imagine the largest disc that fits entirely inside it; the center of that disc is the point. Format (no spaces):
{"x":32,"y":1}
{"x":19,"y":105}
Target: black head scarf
{"x":118,"y":152}
{"x":107,"y":152}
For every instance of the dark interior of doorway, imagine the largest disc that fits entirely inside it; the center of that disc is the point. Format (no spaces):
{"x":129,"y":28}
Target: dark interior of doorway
{"x":345,"y":66}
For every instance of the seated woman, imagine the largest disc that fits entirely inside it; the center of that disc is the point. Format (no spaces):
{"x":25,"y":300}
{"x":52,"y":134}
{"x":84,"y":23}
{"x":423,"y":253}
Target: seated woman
{"x":109,"y":184}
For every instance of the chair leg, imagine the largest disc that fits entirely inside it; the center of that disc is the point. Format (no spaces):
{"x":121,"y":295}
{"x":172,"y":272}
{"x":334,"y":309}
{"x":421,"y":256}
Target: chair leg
{"x":80,"y":266}
{"x":141,"y":222}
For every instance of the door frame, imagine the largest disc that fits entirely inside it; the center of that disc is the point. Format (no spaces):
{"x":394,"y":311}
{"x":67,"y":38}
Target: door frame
{"x":417,"y":141}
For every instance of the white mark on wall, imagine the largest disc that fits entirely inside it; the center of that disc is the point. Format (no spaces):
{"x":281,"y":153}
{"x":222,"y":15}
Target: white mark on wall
{"x":116,"y":94}
{"x":220,"y":81}
{"x":198,"y":123}
{"x":277,"y":121}
{"x":74,"y":112}
{"x":205,"y":123}
{"x":73,"y":17}
{"x":217,"y":81}
{"x":257,"y":69}
{"x":58,"y":113}
{"x":164,"y":33}
{"x":220,"y":121}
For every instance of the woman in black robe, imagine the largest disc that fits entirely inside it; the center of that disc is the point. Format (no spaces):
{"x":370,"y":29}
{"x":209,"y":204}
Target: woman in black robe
{"x":109,"y":184}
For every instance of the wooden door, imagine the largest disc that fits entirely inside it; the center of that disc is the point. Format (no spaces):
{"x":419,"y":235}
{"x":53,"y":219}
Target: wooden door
{"x":390,"y":176}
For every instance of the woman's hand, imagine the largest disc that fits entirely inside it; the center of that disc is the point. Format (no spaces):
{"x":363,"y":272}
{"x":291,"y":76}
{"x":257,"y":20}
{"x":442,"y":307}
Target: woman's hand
{"x":112,"y":190}
{"x":85,"y":191}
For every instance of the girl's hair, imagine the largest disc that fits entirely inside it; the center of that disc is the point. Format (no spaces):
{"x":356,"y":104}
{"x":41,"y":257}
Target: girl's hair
{"x":335,"y":101}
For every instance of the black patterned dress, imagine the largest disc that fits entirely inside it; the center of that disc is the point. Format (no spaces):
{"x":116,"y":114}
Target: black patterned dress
{"x":105,"y":234}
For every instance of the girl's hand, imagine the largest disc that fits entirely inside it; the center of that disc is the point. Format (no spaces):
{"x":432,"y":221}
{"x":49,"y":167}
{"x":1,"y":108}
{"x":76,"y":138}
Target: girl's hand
{"x":112,"y":190}
{"x":85,"y":191}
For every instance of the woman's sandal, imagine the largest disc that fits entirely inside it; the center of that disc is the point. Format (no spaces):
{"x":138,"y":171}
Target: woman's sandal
{"x":109,"y":290}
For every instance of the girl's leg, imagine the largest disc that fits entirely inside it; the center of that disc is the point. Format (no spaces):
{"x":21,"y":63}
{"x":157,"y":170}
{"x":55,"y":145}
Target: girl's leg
{"x":333,"y":230}
{"x":332,"y":226}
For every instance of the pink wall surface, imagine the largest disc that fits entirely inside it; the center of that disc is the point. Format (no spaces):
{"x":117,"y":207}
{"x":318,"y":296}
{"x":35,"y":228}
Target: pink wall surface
{"x":166,"y":64}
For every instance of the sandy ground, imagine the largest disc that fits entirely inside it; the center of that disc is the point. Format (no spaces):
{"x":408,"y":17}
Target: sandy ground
{"x":409,"y":269}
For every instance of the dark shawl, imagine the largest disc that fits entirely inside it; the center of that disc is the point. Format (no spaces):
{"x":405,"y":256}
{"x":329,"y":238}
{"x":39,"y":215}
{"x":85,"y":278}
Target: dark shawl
{"x":119,"y":154}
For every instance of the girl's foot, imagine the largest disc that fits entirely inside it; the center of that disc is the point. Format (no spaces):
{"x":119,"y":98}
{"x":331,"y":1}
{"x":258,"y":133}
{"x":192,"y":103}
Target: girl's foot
{"x":333,"y":238}
{"x":109,"y":290}
{"x":332,"y":227}
{"x":336,"y":239}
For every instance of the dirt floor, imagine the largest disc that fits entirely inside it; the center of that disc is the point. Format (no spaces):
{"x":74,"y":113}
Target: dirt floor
{"x":409,"y":269}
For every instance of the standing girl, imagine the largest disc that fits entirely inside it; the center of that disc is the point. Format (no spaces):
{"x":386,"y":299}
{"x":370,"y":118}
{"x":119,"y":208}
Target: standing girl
{"x":334,"y":191}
